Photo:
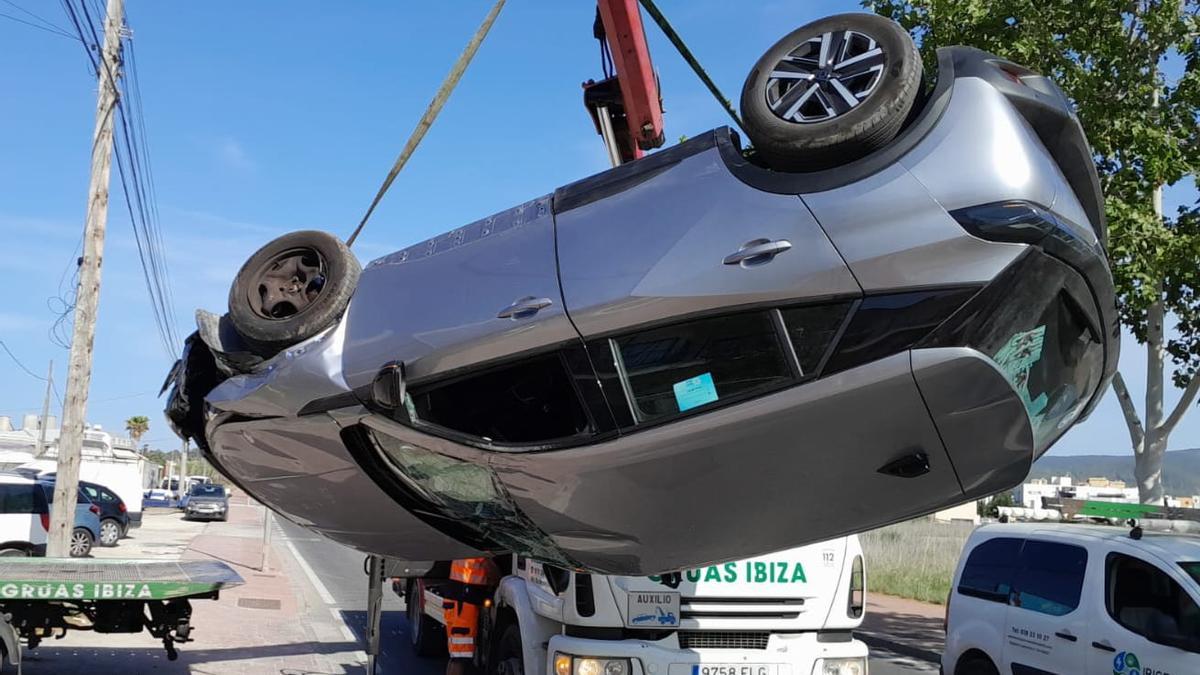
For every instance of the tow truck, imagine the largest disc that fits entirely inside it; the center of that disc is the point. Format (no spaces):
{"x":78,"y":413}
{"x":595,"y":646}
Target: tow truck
{"x":789,"y":612}
{"x":46,"y":597}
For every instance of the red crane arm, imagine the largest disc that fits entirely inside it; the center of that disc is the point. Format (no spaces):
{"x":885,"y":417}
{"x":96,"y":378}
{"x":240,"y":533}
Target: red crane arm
{"x":622,"y":21}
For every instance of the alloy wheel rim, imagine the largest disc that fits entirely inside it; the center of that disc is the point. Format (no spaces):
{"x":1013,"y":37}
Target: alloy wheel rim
{"x":288,"y":283}
{"x":78,"y":544}
{"x":108,"y":533}
{"x":825,"y":77}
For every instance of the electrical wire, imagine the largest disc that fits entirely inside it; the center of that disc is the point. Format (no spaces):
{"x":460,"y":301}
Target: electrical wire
{"x":19,"y":364}
{"x":54,"y":31}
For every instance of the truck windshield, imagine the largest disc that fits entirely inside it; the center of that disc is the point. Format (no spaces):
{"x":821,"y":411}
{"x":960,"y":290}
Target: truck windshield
{"x":1193,"y":569}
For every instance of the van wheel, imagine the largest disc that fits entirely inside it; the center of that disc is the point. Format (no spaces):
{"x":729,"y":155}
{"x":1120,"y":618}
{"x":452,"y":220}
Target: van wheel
{"x":510,"y":659}
{"x":975,"y":664}
{"x":14,"y":553}
{"x":427,"y":636}
{"x":291,"y":289}
{"x":831,"y":92}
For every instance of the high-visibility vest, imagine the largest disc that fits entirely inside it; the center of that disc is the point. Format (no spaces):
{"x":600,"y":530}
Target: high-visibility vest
{"x":474,"y":571}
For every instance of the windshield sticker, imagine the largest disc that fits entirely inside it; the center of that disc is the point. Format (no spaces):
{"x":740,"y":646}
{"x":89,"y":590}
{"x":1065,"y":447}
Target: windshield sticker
{"x":695,"y":392}
{"x":750,"y":571}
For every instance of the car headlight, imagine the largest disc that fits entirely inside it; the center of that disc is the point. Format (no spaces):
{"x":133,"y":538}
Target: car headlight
{"x":851,"y":666}
{"x":565,"y":664}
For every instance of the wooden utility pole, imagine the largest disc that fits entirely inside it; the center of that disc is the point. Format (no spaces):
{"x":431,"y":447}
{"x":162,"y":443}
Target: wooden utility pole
{"x":41,"y":441}
{"x":79,"y":368}
{"x":183,"y":468}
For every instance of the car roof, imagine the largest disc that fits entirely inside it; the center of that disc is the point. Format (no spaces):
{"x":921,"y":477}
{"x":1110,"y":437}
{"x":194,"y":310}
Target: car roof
{"x":15,"y":478}
{"x":1166,"y":545}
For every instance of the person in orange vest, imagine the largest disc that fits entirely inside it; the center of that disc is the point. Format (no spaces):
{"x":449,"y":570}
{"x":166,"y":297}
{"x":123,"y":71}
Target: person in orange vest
{"x":473,"y":581}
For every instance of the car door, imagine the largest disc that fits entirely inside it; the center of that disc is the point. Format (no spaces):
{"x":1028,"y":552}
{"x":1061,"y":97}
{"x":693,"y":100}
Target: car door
{"x":1145,"y":619}
{"x":978,"y":602}
{"x":479,"y":294}
{"x":1044,"y":626}
{"x":663,"y":240}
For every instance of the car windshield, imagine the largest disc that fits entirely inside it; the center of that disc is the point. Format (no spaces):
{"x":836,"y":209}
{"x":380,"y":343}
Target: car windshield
{"x":1193,"y":569}
{"x":208,"y":491}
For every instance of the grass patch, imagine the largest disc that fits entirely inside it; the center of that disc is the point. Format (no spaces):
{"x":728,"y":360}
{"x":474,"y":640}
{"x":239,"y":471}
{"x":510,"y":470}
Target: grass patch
{"x":914,"y":559}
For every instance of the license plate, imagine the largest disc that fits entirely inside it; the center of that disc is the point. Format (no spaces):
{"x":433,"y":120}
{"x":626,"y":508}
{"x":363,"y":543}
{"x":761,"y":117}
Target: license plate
{"x":649,"y":609}
{"x":734,"y":669}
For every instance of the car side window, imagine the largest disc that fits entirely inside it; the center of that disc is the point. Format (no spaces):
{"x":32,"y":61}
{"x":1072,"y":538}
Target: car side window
{"x":1050,"y":577}
{"x":674,"y":369}
{"x":991,"y":569}
{"x":90,"y":491}
{"x":16,"y":498}
{"x":106,"y":496}
{"x":1146,"y":600}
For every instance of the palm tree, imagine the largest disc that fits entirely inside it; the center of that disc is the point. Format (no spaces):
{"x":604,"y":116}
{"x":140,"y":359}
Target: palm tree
{"x":137,"y":426}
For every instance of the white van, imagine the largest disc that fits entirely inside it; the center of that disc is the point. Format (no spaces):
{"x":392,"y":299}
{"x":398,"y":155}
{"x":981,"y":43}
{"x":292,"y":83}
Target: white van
{"x":1062,"y":598}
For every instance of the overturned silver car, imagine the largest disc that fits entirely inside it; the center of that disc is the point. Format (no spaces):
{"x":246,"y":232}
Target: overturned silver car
{"x":703,"y":355}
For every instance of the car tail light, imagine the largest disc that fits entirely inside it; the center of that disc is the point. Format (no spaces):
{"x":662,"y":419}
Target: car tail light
{"x":121,"y":507}
{"x":45,"y":521}
{"x":94,"y":509}
{"x":857,"y":589}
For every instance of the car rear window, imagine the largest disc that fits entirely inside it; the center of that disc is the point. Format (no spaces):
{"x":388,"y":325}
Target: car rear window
{"x":991,"y":569}
{"x":1051,"y":577}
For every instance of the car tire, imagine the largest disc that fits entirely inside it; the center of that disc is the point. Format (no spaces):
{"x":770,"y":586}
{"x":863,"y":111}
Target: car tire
{"x":804,"y":120}
{"x":291,"y":289}
{"x":427,"y":636}
{"x":110,"y":532}
{"x":81,"y":543}
{"x":15,"y":553}
{"x":975,"y":664}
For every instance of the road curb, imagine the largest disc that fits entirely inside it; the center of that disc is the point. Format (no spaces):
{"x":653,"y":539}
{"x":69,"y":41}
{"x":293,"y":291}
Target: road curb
{"x":876,"y":640}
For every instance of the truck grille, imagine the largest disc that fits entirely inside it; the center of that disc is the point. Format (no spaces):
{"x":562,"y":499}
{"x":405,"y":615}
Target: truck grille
{"x":741,"y":608}
{"x":723,"y":639}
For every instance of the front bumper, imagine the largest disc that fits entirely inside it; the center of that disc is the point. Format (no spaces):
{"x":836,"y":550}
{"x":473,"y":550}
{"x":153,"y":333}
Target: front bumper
{"x":786,"y":654}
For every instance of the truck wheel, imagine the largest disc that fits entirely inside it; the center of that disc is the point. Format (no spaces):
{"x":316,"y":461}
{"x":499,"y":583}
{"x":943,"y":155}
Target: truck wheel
{"x":427,"y":636}
{"x":110,"y":532}
{"x":291,"y":289}
{"x":831,"y":92}
{"x":81,"y":543}
{"x":510,"y":658}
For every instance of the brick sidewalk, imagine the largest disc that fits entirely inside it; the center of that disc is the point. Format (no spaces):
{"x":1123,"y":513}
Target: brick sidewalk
{"x":904,"y":626}
{"x":274,"y":623}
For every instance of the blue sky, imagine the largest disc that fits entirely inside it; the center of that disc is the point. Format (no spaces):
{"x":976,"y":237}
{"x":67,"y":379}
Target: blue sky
{"x":271,"y":116}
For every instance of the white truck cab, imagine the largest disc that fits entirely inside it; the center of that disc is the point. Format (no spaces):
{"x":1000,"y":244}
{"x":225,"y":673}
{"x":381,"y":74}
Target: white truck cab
{"x":788,"y":613}
{"x":1071,"y":598}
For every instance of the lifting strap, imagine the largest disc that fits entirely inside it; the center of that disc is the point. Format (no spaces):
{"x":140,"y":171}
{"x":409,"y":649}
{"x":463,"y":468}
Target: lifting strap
{"x":431,"y":113}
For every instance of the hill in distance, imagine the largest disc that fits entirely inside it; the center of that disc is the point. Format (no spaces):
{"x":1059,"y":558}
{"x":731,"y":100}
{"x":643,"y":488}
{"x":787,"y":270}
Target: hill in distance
{"x":1181,"y":469}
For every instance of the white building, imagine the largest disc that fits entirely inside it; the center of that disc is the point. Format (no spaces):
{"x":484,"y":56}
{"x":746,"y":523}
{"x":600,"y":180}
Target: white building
{"x":1030,"y":494}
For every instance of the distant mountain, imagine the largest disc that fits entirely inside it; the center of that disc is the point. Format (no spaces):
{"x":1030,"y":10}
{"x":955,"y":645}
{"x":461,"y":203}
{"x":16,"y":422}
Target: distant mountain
{"x":1181,"y":469}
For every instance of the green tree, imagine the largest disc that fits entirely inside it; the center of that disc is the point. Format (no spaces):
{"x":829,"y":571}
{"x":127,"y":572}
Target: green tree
{"x":137,"y":426}
{"x":1144,"y":128}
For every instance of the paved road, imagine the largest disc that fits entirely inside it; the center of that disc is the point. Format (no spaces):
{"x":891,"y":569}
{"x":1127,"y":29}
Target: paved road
{"x":340,"y":572}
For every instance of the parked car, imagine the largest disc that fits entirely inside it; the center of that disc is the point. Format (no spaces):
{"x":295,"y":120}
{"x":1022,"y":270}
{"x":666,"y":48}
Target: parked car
{"x":900,"y":298}
{"x":1063,"y":598}
{"x":87,"y":521}
{"x":114,"y":514}
{"x":207,"y":500}
{"x":25,"y":518}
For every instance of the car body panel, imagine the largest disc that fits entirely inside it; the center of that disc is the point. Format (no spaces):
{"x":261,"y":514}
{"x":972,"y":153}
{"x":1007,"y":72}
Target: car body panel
{"x":454,"y":286}
{"x":633,"y":258}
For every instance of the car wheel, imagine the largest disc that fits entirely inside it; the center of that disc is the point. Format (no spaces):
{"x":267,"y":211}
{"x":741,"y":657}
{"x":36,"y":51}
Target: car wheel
{"x":110,"y":532}
{"x":81,"y":543}
{"x":975,"y":664}
{"x":291,"y":289}
{"x":15,"y":553}
{"x":831,"y":92}
{"x":428,"y":638}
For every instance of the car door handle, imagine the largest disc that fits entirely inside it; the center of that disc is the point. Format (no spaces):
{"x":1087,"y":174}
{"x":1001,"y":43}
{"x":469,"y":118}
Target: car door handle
{"x":757,"y":252}
{"x":1066,"y":636}
{"x":1104,"y":646}
{"x":524,"y":308}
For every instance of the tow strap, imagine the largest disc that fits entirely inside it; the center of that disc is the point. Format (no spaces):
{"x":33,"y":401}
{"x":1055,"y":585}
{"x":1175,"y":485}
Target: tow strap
{"x":431,"y":113}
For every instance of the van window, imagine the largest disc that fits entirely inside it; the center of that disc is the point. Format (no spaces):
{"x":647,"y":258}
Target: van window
{"x":1051,"y":577}
{"x":676,"y":368}
{"x":20,"y":498}
{"x":991,"y":569}
{"x":1144,"y":599}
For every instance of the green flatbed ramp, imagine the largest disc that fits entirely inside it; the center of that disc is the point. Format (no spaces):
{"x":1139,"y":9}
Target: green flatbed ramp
{"x":70,"y":579}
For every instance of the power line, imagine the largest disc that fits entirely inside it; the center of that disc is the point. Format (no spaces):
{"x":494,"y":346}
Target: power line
{"x":19,"y":364}
{"x":53,"y":31}
{"x":44,"y":20}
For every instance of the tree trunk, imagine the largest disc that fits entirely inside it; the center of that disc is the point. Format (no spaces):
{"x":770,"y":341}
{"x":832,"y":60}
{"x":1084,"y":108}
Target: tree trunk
{"x":1148,"y":469}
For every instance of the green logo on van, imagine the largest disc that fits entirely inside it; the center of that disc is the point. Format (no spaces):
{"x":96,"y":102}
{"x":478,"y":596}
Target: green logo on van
{"x":1126,"y":663}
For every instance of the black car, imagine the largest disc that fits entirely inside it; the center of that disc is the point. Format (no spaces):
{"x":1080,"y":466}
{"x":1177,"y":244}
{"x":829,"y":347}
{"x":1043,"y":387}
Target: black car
{"x":206,"y":500}
{"x":114,"y":515}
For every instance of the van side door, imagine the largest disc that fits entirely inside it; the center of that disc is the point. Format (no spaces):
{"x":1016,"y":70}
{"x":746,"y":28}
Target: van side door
{"x":1045,"y":627}
{"x":1146,"y":619}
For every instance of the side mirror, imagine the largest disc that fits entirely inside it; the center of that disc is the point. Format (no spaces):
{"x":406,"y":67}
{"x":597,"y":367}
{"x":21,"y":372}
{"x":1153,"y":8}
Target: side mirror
{"x":388,"y":388}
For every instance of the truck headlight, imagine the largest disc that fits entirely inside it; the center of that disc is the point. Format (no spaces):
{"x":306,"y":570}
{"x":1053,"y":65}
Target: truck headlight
{"x":852,"y":666}
{"x":566,"y":664}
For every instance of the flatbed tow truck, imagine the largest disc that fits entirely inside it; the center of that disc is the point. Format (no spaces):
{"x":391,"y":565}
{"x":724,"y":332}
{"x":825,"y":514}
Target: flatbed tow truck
{"x":46,"y":597}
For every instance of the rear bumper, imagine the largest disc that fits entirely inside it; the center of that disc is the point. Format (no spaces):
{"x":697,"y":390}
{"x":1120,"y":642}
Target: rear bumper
{"x":786,"y":654}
